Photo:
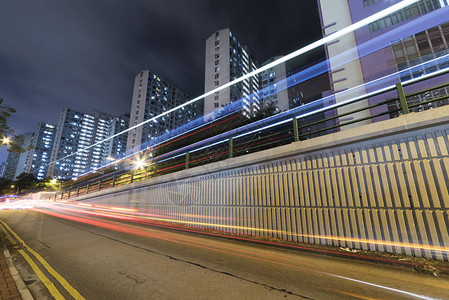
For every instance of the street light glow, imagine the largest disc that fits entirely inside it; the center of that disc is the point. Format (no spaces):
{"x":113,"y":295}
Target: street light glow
{"x":139,"y":163}
{"x":6,"y":140}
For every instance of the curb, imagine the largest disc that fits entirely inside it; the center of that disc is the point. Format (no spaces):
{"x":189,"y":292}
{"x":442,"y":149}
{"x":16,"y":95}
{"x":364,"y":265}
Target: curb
{"x":21,"y":286}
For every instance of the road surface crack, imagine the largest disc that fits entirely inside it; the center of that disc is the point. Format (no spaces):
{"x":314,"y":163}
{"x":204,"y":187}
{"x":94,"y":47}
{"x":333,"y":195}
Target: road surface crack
{"x":269,"y":287}
{"x":227,"y":274}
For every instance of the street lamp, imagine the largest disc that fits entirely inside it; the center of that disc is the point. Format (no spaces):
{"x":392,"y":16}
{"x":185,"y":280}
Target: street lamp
{"x":55,"y":181}
{"x":17,"y":191}
{"x":6,"y":140}
{"x":139,"y":163}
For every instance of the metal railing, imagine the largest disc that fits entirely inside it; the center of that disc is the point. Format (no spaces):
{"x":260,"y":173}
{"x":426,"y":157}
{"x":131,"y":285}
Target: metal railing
{"x":292,"y":126}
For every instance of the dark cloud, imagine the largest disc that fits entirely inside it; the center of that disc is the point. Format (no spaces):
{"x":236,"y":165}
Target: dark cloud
{"x":84,"y":54}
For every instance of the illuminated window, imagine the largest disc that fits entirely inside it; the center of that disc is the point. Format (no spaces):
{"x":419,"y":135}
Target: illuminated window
{"x":420,"y":8}
{"x":367,"y":3}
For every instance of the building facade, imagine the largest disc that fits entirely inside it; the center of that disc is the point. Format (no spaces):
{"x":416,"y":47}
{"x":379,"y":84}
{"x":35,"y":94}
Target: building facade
{"x":11,"y":165}
{"x":2,"y":168}
{"x":116,"y":147}
{"x":77,"y":131}
{"x":153,"y":96}
{"x":101,"y":131}
{"x":42,"y":145}
{"x":390,"y":50}
{"x":226,"y":60}
{"x":16,"y":163}
{"x":273,"y":87}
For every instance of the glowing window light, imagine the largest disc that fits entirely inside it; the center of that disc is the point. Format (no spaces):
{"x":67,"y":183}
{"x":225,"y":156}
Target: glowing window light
{"x":283,"y":59}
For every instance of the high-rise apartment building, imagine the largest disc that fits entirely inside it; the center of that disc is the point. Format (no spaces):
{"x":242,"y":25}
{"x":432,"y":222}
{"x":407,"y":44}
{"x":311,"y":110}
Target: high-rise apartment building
{"x":227,"y":60}
{"x":75,"y":132}
{"x":399,"y":43}
{"x":273,"y":87}
{"x":42,"y":145}
{"x":291,"y":84}
{"x":2,"y":168}
{"x":16,"y":162}
{"x":116,"y":147}
{"x":11,"y":165}
{"x":102,"y":123}
{"x":153,"y":96}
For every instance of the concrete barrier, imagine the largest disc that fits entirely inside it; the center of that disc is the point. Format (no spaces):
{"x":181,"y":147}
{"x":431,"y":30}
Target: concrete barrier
{"x":379,"y":187}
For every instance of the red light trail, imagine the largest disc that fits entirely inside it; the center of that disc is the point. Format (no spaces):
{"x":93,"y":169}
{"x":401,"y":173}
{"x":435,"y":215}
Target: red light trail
{"x":86,"y":212}
{"x":93,"y":215}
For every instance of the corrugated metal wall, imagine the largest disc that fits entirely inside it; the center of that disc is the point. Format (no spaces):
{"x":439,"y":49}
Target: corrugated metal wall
{"x":389,"y":194}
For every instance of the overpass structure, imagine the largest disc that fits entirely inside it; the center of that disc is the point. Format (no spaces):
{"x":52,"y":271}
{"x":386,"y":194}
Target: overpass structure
{"x":379,"y":187}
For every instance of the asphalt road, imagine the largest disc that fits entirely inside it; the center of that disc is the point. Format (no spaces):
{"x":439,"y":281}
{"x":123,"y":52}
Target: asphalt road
{"x":106,"y":259}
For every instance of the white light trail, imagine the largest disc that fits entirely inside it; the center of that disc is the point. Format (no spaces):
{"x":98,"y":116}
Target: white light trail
{"x":283,"y":59}
{"x":385,"y":287}
{"x":303,"y":50}
{"x":183,"y":151}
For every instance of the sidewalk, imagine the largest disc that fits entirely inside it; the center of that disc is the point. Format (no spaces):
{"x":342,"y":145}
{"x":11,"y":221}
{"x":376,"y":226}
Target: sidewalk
{"x":8,"y":287}
{"x":12,"y":286}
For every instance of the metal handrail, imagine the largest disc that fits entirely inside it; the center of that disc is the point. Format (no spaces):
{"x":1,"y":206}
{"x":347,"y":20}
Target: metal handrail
{"x":221,"y":149}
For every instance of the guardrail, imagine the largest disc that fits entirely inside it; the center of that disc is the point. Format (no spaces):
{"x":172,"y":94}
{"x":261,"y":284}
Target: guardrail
{"x":291,"y":126}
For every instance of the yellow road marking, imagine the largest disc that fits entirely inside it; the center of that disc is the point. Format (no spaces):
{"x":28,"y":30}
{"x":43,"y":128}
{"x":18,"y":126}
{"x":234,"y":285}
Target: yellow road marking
{"x":74,"y":293}
{"x":48,"y":284}
{"x":13,"y":242}
{"x":358,"y":296}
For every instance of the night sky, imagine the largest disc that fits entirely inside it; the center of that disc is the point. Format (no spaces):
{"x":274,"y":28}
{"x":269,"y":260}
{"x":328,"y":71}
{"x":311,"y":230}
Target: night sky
{"x":85,"y":54}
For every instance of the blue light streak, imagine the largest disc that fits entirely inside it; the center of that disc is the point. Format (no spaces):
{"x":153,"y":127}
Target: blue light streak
{"x":295,"y":79}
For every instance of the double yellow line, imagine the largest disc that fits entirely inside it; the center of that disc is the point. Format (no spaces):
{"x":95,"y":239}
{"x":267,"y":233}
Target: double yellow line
{"x":47,"y":282}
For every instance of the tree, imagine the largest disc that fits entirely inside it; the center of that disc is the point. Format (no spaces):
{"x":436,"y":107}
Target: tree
{"x":16,"y":142}
{"x":5,"y":113}
{"x":25,"y":181}
{"x":267,"y":110}
{"x":45,"y":185}
{"x":5,"y":185}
